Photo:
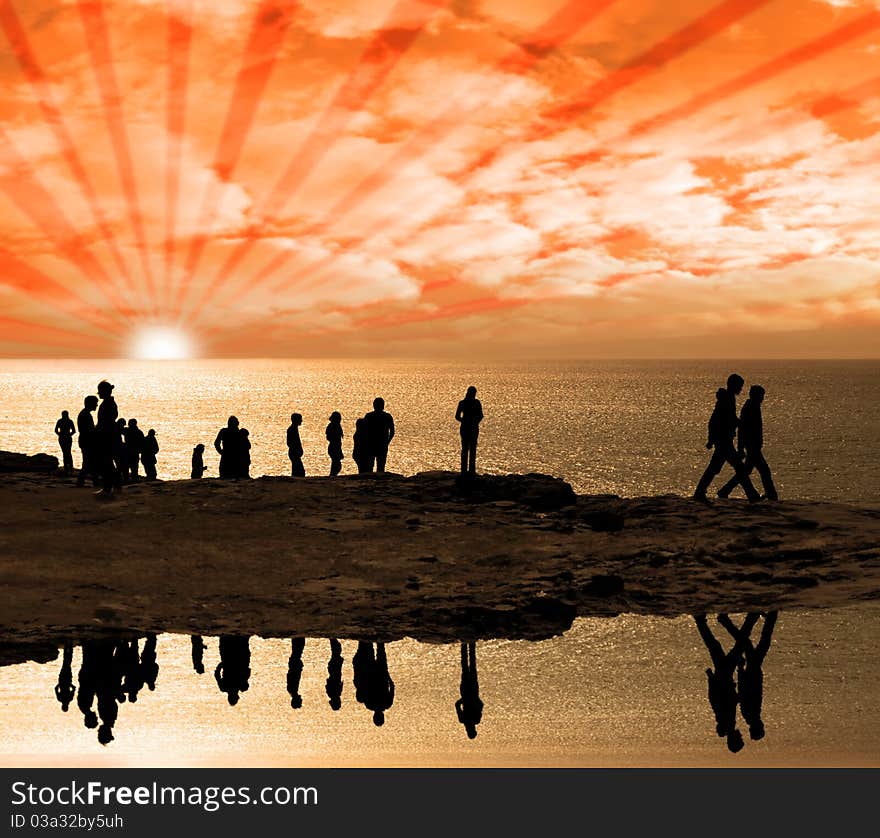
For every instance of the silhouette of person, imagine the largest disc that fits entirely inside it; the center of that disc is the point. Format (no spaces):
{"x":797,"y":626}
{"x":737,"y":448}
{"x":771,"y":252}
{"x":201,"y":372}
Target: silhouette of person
{"x":294,"y":446}
{"x":469,"y":708}
{"x":380,"y":687}
{"x":134,"y":443}
{"x":64,"y":430}
{"x":722,"y":427}
{"x":85,"y":426}
{"x":722,"y":690}
{"x":362,"y":665}
{"x":149,"y":669}
{"x":334,"y":436}
{"x":108,"y":687}
{"x":750,"y":673}
{"x":233,"y":672}
{"x":87,"y":679}
{"x":469,"y":414}
{"x":120,"y":455}
{"x":380,"y":432}
{"x":750,"y":440}
{"x":360,"y":451}
{"x":198,"y":462}
{"x":333,"y":686}
{"x":198,"y":653}
{"x":245,"y":442}
{"x":64,"y":689}
{"x":133,"y":674}
{"x":148,"y":454}
{"x":294,"y":671}
{"x":228,"y":446}
{"x":106,"y":431}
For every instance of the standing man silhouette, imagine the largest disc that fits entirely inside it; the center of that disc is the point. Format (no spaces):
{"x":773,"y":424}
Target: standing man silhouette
{"x":105,"y":434}
{"x":148,"y":454}
{"x":380,"y":432}
{"x":469,"y":708}
{"x":64,"y":430}
{"x":750,"y":440}
{"x":134,"y":443}
{"x":722,"y":427}
{"x":228,"y":446}
{"x":85,"y":426}
{"x":294,"y":446}
{"x":469,"y":414}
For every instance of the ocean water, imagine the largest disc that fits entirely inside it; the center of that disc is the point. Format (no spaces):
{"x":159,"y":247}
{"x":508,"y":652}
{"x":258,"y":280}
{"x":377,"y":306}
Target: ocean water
{"x":624,"y":691}
{"x":628,"y":428}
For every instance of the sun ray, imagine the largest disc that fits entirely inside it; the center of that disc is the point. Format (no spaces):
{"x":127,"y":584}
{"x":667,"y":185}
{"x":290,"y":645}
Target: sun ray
{"x":54,"y":119}
{"x":33,"y":284}
{"x":20,"y":183}
{"x":91,"y":14}
{"x":562,"y":25}
{"x":268,"y":28}
{"x":178,"y":40}
{"x":727,"y":89}
{"x":380,"y":56}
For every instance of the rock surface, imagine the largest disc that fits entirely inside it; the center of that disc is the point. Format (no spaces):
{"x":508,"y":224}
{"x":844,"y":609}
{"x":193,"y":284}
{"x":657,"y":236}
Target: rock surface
{"x":385,"y":556}
{"x":27,"y":463}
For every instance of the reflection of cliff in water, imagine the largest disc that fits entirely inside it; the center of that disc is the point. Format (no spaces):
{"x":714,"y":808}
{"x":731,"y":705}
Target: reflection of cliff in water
{"x":118,"y":670}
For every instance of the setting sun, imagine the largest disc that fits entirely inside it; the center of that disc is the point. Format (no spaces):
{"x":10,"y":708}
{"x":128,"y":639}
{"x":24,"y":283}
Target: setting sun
{"x":161,"y":343}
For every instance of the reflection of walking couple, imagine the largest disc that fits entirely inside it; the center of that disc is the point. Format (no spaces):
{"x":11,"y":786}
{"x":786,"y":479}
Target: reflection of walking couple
{"x":747,"y":661}
{"x":749,"y":432}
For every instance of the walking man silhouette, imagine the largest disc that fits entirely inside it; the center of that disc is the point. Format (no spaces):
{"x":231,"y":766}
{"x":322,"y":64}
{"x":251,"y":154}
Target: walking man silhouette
{"x":64,"y":430}
{"x":750,"y":440}
{"x":722,"y":427}
{"x":469,"y":414}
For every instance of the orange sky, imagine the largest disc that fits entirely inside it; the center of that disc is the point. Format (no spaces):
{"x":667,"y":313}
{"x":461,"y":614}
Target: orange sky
{"x":420,"y":177}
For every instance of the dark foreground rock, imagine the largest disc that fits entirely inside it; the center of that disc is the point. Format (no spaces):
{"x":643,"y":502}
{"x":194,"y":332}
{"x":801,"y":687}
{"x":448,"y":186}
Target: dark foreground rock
{"x":384,"y":556}
{"x":27,"y":463}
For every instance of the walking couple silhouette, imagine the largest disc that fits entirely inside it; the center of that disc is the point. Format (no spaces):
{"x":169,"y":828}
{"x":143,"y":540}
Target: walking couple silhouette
{"x":748,"y":453}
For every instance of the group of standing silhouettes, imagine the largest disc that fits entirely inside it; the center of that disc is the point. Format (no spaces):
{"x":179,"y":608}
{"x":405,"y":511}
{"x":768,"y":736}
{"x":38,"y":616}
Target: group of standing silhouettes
{"x":116,"y":670}
{"x":112,"y":449}
{"x":748,"y":454}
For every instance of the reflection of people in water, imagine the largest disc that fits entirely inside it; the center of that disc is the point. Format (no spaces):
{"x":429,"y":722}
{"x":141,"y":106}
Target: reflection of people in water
{"x":108,"y":683}
{"x":750,"y":673}
{"x":380,"y":687}
{"x":294,"y":671}
{"x":88,"y":683}
{"x":64,"y":689}
{"x":362,"y":663}
{"x":233,"y":672}
{"x":469,"y":707}
{"x":722,"y":690}
{"x":334,"y":675}
{"x":198,"y":653}
{"x":149,"y":667}
{"x":133,"y":676}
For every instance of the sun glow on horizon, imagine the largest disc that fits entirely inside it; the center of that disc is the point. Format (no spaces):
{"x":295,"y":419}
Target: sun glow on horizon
{"x":161,"y":343}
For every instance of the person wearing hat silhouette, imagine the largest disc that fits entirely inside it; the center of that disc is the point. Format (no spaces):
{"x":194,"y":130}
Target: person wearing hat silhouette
{"x":106,"y":432}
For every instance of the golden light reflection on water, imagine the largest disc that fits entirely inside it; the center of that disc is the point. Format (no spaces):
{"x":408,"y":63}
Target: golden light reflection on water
{"x":628,"y":691}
